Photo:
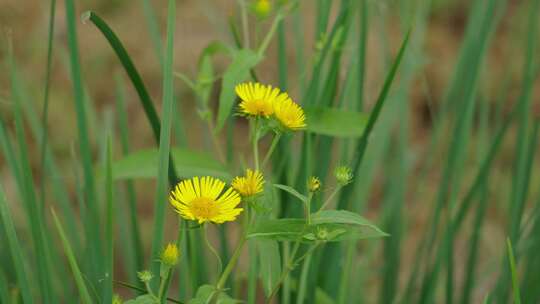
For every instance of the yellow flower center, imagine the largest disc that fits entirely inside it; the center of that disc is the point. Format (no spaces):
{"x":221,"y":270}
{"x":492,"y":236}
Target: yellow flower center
{"x":203,"y":207}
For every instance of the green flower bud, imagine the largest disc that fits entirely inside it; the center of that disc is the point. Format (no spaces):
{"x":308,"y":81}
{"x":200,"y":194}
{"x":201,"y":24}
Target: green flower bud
{"x":343,"y":175}
{"x":145,"y":276}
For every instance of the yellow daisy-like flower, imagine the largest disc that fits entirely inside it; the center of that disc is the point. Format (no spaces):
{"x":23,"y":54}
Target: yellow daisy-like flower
{"x":203,"y":200}
{"x":257,"y":99}
{"x":289,"y":114}
{"x":250,"y":184}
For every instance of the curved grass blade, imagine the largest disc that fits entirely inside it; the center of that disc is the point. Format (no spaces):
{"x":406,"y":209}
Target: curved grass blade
{"x":15,"y":249}
{"x":136,"y":80}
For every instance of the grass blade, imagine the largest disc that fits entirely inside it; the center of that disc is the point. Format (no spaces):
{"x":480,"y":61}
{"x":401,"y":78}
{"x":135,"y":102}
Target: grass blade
{"x":136,"y":80}
{"x":138,"y":254}
{"x":15,"y":249}
{"x":109,"y":227}
{"x":91,"y":222}
{"x":512,"y":262}
{"x":164,"y":140}
{"x":362,"y":144}
{"x":83,"y":291}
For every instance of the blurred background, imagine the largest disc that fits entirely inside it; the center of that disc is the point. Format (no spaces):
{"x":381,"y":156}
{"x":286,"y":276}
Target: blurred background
{"x":407,"y":158}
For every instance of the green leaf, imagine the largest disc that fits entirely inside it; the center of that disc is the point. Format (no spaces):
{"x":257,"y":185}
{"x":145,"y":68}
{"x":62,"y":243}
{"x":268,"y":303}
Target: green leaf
{"x":341,"y":217}
{"x":335,"y":122}
{"x":292,"y":191}
{"x":205,"y":293}
{"x":238,"y":71}
{"x":270,"y":260}
{"x":278,"y":229}
{"x":330,"y":227}
{"x":143,"y":164}
{"x":144,"y":299}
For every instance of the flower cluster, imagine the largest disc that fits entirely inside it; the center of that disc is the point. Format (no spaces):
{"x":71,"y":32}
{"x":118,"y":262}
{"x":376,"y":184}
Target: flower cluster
{"x":264,"y":101}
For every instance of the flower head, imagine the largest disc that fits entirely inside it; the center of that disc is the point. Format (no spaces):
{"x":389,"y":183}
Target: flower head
{"x":203,"y":200}
{"x":343,"y":175}
{"x":314,"y":184}
{"x":289,"y":114}
{"x":262,"y":8}
{"x":257,"y":99}
{"x":250,"y":184}
{"x":145,"y":276}
{"x":169,"y":256}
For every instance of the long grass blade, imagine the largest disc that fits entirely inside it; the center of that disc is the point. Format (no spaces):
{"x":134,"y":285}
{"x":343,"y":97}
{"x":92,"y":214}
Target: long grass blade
{"x":15,"y":249}
{"x":91,"y":221}
{"x":164,"y":140}
{"x":513,"y":272}
{"x":81,"y":286}
{"x":121,"y":110}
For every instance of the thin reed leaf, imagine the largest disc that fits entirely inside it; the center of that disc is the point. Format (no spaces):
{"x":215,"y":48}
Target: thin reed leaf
{"x":513,"y":271}
{"x":164,"y":140}
{"x":14,"y":248}
{"x":135,"y":234}
{"x":91,"y":221}
{"x":81,"y":285}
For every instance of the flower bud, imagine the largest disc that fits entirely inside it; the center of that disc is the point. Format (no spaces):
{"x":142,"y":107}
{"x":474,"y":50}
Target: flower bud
{"x":145,"y":276}
{"x":343,"y":175}
{"x":262,"y":8}
{"x":169,"y":256}
{"x":116,"y":299}
{"x":314,"y":184}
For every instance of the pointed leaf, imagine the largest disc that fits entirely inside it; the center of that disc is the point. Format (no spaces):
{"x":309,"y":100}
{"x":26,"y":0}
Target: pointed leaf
{"x":188,"y":163}
{"x":335,"y":122}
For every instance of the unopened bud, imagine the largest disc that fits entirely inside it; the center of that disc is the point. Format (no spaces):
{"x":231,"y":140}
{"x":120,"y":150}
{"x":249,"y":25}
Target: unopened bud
{"x":343,"y":175}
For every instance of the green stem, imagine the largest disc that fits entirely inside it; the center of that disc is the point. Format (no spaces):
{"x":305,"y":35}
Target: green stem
{"x":215,"y":141}
{"x":231,"y":264}
{"x":162,"y":286}
{"x":271,"y":149}
{"x":270,"y":34}
{"x":290,"y":266}
{"x":303,"y":280}
{"x":329,"y":199}
{"x":308,"y":208}
{"x":149,"y":290}
{"x":245,"y":27}
{"x":212,"y":249}
{"x":255,"y":143}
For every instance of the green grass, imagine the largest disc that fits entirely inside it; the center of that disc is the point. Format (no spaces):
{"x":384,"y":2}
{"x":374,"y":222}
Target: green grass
{"x":457,"y":196}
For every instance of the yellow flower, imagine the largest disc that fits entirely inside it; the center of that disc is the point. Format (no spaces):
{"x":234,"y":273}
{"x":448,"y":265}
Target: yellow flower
{"x":289,"y":114}
{"x":257,"y":99}
{"x":202,"y":200}
{"x":250,"y":184}
{"x":314,"y":184}
{"x":169,"y":256}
